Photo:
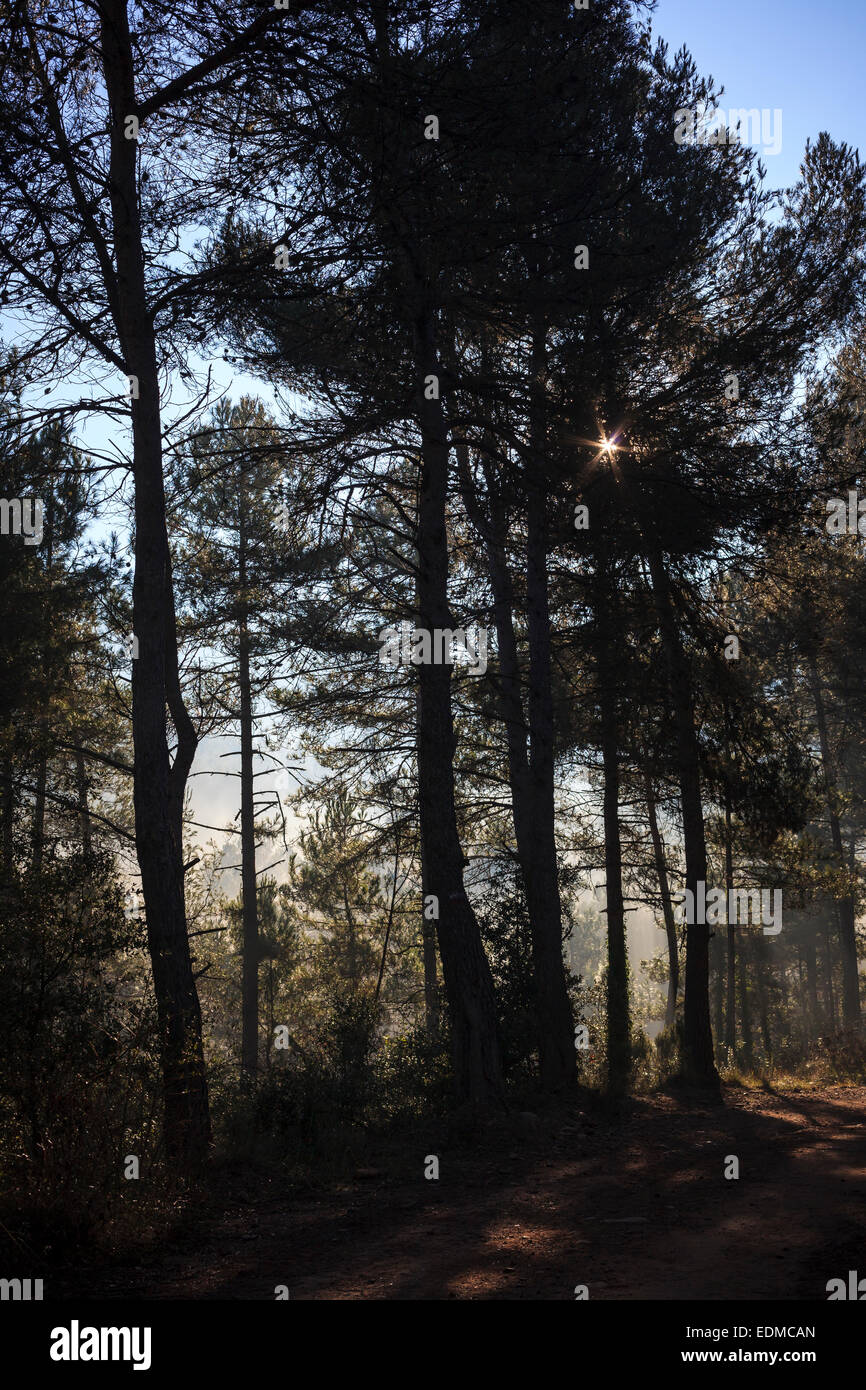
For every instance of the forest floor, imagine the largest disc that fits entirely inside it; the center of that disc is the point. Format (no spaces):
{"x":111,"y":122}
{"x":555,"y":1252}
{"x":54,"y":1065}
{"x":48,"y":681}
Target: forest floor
{"x":633,"y":1208}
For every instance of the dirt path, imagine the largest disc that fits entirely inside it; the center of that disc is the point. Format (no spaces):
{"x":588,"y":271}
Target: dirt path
{"x":636,"y":1209}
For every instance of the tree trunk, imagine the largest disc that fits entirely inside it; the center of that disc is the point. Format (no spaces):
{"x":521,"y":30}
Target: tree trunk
{"x":667,"y":905}
{"x":698,"y":1065}
{"x":531,"y":781}
{"x":845,"y":911}
{"x":558,"y":1059}
{"x":466,"y":972}
{"x":759,"y":953}
{"x":159,"y":784}
{"x":810,"y":956}
{"x":717,"y":962}
{"x":38,"y":829}
{"x":618,"y":1011}
{"x":249,"y":902}
{"x":745,"y":1007}
{"x":829,"y":992}
{"x":556,"y":1031}
{"x":428,"y":940}
{"x":731,"y":1011}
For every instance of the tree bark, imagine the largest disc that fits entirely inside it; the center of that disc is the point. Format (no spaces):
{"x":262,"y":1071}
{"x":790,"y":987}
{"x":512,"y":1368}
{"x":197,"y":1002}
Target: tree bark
{"x":810,"y":955}
{"x":249,"y":909}
{"x":698,"y":1065}
{"x":745,"y":1007}
{"x":465,"y":969}
{"x":158,"y":784}
{"x":38,"y":829}
{"x":541,"y":872}
{"x":618,"y":1011}
{"x":428,"y":942}
{"x":667,"y":905}
{"x":558,"y":1060}
{"x":829,"y":991}
{"x":731,"y":1011}
{"x":530,"y":780}
{"x":845,"y":912}
{"x":759,"y":953}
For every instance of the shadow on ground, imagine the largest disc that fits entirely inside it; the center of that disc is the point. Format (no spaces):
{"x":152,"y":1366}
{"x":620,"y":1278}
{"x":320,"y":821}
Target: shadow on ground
{"x":633,"y":1208}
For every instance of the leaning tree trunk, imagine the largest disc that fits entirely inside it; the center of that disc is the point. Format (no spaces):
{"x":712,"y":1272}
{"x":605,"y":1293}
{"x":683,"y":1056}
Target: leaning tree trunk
{"x":465,"y":970}
{"x":158,"y":784}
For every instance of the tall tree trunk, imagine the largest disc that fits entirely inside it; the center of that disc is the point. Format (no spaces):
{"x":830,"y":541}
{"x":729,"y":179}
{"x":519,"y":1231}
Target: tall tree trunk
{"x":698,"y":1063}
{"x":759,"y":953}
{"x":158,"y":784}
{"x":618,"y":1011}
{"x":530,"y":780}
{"x":845,"y":911}
{"x":466,"y":975}
{"x":558,"y":1059}
{"x":829,"y":991}
{"x":250,"y":916}
{"x":745,"y":1006}
{"x":428,"y":941}
{"x":731,"y":1011}
{"x":556,"y":1022}
{"x":717,"y":961}
{"x":810,"y":955}
{"x":667,"y":905}
{"x":270,"y":993}
{"x":466,"y":972}
{"x":38,"y":829}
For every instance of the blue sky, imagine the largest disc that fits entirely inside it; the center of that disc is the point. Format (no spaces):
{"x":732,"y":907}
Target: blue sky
{"x":803,"y":57}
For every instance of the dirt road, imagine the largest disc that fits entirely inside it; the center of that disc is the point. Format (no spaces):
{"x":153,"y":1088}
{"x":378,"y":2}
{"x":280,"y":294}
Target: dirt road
{"x":635,"y":1209}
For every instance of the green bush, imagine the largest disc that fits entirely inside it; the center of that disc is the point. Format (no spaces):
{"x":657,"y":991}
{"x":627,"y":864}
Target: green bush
{"x":79,"y":1089}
